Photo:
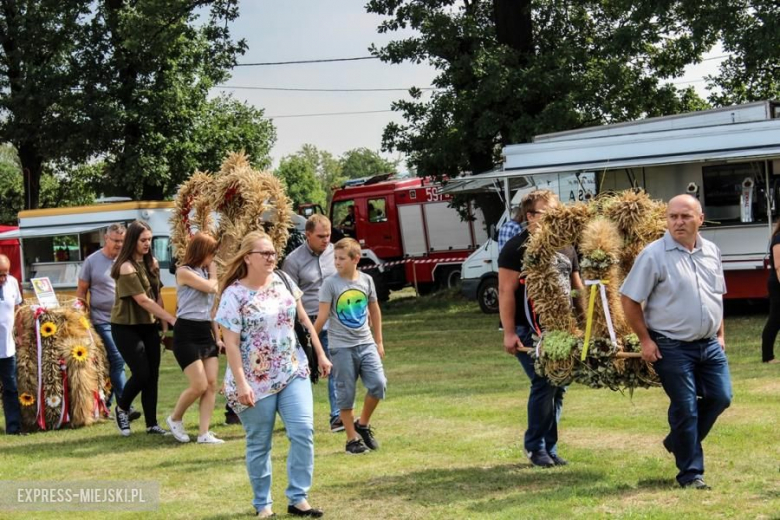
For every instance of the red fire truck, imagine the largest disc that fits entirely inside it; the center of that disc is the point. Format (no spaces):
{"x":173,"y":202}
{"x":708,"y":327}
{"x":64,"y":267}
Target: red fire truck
{"x":408,"y":232}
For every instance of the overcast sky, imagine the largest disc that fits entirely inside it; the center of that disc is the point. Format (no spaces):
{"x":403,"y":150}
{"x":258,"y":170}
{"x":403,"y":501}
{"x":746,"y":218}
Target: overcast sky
{"x":291,"y":30}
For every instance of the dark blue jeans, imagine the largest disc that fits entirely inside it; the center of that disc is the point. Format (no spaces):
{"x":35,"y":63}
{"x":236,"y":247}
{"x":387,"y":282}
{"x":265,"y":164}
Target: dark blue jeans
{"x":545,"y":403}
{"x":11,"y":408}
{"x":116,"y":364}
{"x":695,"y":376}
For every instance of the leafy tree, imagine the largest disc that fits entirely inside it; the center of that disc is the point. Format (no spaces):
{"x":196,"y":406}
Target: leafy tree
{"x":71,"y":187}
{"x":326,"y":167}
{"x":511,"y":69}
{"x":751,"y":36}
{"x":147,"y":70}
{"x":362,"y":162}
{"x":39,"y":95}
{"x":300,"y":178}
{"x":225,"y":125}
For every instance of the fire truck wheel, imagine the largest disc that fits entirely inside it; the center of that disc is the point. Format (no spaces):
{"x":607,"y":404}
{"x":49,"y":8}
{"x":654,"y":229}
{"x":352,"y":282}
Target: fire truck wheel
{"x":487,"y":295}
{"x":382,"y":290}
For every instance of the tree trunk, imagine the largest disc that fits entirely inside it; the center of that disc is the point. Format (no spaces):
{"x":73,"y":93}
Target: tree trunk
{"x":32,"y":168}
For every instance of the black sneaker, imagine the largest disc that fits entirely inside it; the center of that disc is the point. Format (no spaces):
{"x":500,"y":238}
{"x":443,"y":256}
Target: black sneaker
{"x":356,"y":447}
{"x":156,"y":430}
{"x":311,"y":512}
{"x":558,"y":460}
{"x":133,"y":414}
{"x":336,"y":425}
{"x":122,"y":421}
{"x":367,"y":434}
{"x":541,"y":459}
{"x":696,"y":483}
{"x":667,"y":442}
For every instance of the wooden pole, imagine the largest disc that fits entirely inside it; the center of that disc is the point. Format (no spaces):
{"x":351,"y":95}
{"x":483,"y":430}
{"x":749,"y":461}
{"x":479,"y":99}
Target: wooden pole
{"x":619,"y":355}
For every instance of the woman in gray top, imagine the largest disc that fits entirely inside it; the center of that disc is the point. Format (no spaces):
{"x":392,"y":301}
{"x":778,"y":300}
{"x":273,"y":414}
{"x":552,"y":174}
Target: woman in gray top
{"x":194,"y":344}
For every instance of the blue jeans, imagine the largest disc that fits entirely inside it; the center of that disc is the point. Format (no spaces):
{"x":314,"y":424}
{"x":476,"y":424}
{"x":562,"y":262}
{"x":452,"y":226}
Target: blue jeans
{"x":296,"y":408}
{"x":334,"y":407}
{"x":545,"y":403}
{"x":11,"y":408}
{"x":695,"y":376}
{"x":116,"y":364}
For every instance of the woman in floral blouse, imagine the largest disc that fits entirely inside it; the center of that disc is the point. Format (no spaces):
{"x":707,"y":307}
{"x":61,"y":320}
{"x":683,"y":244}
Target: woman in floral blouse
{"x":267,"y":370}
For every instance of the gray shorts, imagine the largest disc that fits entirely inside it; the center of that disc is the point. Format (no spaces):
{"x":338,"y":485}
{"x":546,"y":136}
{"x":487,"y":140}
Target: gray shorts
{"x":351,"y":362}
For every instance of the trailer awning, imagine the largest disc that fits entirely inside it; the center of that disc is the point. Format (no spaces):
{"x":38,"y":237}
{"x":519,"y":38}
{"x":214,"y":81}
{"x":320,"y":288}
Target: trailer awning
{"x":753,"y":154}
{"x":482,"y":184}
{"x":51,"y":231}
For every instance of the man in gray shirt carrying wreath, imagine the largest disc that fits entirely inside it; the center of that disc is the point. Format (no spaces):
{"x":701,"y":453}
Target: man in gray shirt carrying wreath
{"x":680,"y":280}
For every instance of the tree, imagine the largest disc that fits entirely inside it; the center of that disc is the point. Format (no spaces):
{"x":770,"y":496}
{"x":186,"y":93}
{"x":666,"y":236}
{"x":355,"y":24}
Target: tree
{"x":300,"y":178}
{"x":70,"y":187}
{"x":147,"y":70}
{"x":362,"y":162}
{"x":226,"y":125}
{"x":751,"y":36}
{"x":39,"y":95}
{"x":511,"y":69}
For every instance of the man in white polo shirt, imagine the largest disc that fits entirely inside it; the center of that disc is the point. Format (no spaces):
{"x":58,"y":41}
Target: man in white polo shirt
{"x":679,"y":278}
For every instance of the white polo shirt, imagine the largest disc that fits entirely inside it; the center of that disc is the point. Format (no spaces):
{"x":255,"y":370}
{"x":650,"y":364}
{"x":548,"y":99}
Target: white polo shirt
{"x":682,"y":290}
{"x":11,"y":298}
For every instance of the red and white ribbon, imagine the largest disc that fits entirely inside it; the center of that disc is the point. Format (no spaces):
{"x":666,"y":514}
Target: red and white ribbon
{"x":412,"y":260}
{"x":40,"y":412}
{"x":64,"y":411}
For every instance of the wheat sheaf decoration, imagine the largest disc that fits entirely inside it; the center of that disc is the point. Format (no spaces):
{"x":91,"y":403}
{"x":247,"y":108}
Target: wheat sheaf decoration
{"x":243,"y":198}
{"x":61,"y":367}
{"x":581,"y":342}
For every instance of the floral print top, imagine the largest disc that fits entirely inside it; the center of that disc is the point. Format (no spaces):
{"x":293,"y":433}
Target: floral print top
{"x":265,"y":321}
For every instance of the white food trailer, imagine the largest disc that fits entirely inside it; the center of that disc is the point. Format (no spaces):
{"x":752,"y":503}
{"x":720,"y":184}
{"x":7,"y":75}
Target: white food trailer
{"x":727,"y":157}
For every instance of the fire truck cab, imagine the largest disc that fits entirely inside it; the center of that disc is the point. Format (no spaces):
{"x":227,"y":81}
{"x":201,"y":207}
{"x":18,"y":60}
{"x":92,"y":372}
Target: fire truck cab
{"x":407,"y":230}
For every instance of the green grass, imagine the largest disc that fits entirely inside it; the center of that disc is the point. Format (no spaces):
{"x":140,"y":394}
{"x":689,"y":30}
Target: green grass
{"x":451,"y":432}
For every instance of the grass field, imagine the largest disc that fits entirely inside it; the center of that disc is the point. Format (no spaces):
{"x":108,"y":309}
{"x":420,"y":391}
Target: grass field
{"x":451,"y":433}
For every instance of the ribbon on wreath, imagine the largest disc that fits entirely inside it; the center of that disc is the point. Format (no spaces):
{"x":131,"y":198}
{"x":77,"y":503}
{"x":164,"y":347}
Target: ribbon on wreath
{"x":40,"y":413}
{"x":64,"y":414}
{"x":99,"y":406}
{"x":601,"y":286}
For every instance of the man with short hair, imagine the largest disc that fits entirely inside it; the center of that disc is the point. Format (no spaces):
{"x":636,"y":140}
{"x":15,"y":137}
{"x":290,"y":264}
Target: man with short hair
{"x":511,"y":228}
{"x":10,"y":299}
{"x":95,"y":279}
{"x":679,"y":278}
{"x":308,"y":266}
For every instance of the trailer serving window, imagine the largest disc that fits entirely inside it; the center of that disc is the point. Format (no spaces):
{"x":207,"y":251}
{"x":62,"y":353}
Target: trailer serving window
{"x":727,"y":186}
{"x":58,"y":257}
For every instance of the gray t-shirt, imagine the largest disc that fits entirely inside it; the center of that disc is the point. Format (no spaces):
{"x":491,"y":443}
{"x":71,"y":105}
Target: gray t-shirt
{"x":96,"y":271}
{"x":348,"y":318}
{"x":682,"y":290}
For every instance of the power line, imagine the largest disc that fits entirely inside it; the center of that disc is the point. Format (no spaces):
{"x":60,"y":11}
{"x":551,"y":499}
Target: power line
{"x":329,"y":114}
{"x":290,"y":89}
{"x":299,"y":62}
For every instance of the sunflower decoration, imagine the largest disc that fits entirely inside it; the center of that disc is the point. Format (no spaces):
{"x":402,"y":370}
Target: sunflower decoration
{"x":26,"y":399}
{"x":48,"y":329}
{"x":79,"y":353}
{"x":84,"y":322}
{"x":53,"y":401}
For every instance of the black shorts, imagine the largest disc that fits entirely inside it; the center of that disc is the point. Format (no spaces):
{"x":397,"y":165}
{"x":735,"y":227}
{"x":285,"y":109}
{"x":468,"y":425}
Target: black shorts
{"x":193,"y":340}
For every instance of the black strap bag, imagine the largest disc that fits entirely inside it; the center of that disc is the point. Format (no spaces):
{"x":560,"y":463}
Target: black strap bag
{"x":304,"y":340}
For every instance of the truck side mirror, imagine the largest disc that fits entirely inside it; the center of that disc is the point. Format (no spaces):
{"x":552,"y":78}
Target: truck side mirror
{"x":493,"y":232}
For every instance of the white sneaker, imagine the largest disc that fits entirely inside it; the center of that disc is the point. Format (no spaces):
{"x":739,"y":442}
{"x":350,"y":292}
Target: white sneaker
{"x":209,"y":438}
{"x":177,"y":429}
